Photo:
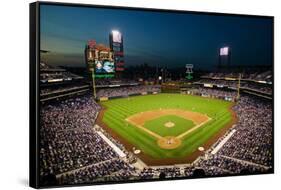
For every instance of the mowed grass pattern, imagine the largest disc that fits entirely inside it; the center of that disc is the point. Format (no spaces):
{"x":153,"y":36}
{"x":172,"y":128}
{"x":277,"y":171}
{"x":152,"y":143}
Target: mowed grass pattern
{"x":158,"y":125}
{"x":117,"y":110}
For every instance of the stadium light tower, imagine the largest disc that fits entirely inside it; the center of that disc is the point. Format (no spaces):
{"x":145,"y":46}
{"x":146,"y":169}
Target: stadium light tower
{"x":116,"y":45}
{"x":224,"y":56}
{"x":238,"y":87}
{"x":90,"y":57}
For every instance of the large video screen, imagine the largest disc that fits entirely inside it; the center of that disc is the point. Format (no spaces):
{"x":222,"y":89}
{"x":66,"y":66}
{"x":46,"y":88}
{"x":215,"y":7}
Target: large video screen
{"x":104,"y":67}
{"x":133,"y":94}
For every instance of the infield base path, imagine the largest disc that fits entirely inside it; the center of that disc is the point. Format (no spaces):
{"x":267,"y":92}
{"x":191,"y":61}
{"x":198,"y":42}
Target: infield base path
{"x":169,"y":142}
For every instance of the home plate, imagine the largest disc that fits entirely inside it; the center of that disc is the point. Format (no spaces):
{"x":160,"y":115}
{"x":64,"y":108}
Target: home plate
{"x":137,"y":151}
{"x":201,"y":148}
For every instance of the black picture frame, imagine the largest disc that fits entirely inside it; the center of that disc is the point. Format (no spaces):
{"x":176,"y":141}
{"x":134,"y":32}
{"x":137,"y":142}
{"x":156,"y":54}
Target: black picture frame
{"x":34,"y":96}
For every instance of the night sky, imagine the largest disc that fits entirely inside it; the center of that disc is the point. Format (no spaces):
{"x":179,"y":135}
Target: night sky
{"x":164,"y":39}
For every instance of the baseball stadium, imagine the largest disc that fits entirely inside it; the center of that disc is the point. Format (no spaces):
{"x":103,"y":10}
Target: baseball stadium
{"x":124,"y":118}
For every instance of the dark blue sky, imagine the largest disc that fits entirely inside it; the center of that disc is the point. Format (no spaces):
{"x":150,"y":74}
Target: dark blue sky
{"x":171,"y":39}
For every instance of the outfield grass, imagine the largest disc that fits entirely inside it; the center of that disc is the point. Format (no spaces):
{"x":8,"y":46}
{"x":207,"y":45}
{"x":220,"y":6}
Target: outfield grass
{"x":158,"y":125}
{"x":119,"y":109}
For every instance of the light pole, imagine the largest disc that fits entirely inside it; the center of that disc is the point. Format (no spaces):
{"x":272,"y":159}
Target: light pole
{"x":94,"y":83}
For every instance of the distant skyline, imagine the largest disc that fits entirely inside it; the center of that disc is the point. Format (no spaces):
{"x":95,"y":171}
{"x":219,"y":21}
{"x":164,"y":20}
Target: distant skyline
{"x":156,"y":38}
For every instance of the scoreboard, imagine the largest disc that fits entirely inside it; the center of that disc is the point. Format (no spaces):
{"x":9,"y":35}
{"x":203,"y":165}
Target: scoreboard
{"x":116,"y":45}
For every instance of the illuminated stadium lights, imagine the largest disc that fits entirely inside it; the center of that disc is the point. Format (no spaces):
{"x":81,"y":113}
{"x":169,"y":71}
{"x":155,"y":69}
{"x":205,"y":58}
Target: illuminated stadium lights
{"x":116,"y":35}
{"x":224,"y":57}
{"x":224,"y":51}
{"x":115,"y":32}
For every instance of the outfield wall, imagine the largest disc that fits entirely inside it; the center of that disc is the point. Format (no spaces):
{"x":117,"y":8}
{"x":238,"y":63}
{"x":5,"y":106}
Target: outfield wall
{"x":188,"y":93}
{"x":135,"y":94}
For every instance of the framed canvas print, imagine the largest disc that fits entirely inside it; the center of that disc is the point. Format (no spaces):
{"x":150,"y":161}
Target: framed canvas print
{"x":120,"y":94}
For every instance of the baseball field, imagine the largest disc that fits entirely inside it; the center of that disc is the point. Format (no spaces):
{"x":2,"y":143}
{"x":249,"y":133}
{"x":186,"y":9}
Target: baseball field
{"x":168,"y":127}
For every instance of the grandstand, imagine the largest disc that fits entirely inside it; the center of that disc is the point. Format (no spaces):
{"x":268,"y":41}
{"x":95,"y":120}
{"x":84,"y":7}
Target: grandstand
{"x":58,"y":83}
{"x":254,"y":83}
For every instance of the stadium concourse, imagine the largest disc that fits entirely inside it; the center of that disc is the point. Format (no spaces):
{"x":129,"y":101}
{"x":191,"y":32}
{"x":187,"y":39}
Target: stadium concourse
{"x":74,"y":150}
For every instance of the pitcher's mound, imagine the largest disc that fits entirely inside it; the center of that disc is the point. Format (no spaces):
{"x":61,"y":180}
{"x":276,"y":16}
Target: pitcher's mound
{"x":169,"y":142}
{"x":169,"y":124}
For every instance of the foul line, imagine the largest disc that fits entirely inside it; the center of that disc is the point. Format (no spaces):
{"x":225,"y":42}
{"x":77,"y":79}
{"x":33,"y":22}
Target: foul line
{"x":160,"y":137}
{"x":112,"y":145}
{"x":220,"y":145}
{"x":145,"y":129}
{"x":194,"y":128}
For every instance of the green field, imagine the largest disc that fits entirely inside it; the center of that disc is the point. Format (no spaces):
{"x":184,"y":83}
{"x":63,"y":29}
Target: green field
{"x":157,"y":125}
{"x":117,"y":110}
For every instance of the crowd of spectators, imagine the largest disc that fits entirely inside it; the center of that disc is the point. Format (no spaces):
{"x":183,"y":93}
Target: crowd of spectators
{"x":221,"y":75}
{"x":61,"y":89}
{"x":246,"y":75}
{"x":253,"y":140}
{"x":112,"y":170}
{"x":217,"y":93}
{"x":126,"y":91}
{"x":68,"y":142}
{"x":148,"y":173}
{"x":225,"y":83}
{"x":258,"y":87}
{"x":258,"y":76}
{"x":217,"y":165}
{"x":53,"y":74}
{"x":170,"y":172}
{"x":66,"y":135}
{"x":57,"y":76}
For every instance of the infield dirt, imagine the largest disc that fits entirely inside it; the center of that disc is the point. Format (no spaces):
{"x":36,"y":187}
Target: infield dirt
{"x":168,"y":142}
